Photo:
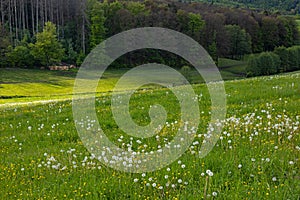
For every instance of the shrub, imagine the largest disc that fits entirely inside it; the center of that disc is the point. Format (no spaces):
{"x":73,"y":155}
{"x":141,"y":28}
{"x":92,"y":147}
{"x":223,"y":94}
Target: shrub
{"x":266,"y":63}
{"x":283,"y":54}
{"x":293,"y":58}
{"x":20,"y":57}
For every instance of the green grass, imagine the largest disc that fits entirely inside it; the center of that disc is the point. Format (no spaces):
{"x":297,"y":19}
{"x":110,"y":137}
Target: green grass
{"x":42,"y":156}
{"x":24,"y":85}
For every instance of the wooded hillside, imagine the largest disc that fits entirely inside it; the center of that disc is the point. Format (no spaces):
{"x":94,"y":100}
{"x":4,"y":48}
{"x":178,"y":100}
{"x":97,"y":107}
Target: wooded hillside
{"x":79,"y":25}
{"x":285,"y":6}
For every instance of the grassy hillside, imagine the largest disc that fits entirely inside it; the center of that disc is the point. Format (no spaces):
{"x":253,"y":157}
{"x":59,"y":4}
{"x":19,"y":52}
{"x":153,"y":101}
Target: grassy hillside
{"x":18,"y":85}
{"x":257,"y":156}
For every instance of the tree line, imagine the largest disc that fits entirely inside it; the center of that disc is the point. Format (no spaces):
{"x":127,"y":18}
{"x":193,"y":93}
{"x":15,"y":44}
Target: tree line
{"x":76,"y":27}
{"x":281,"y":60}
{"x":284,"y":6}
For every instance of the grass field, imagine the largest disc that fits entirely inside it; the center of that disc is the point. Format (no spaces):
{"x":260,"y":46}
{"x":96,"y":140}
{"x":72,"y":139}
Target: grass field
{"x":257,"y":156}
{"x":18,"y":85}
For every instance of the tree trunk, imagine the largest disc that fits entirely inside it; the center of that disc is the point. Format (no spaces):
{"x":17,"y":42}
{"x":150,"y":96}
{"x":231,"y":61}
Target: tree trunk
{"x":2,"y":13}
{"x":37,"y":16}
{"x":32,"y":17}
{"x":10,"y":21}
{"x":16,"y":19}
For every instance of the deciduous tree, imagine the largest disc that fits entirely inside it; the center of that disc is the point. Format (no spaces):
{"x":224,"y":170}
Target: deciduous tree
{"x":47,"y":49}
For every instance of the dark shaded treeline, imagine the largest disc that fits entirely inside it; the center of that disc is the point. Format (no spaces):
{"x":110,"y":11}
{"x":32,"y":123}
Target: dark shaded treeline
{"x":82,"y":24}
{"x":284,"y":6}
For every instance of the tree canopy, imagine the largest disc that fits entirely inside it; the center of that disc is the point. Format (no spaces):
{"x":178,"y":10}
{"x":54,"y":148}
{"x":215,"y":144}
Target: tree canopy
{"x":47,"y":49}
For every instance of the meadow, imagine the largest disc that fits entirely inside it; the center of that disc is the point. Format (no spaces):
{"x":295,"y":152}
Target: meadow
{"x":18,"y":85}
{"x":256,"y":157}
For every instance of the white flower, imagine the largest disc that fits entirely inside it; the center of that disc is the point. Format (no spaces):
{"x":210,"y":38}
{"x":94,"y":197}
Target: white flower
{"x":135,"y":180}
{"x":240,"y":166}
{"x":160,"y":187}
{"x":274,"y":179}
{"x":214,"y":194}
{"x":153,"y":184}
{"x":183,"y":166}
{"x":168,"y":169}
{"x":210,"y":173}
{"x":166,"y":176}
{"x":179,"y":181}
{"x":202,"y":174}
{"x":55,"y":166}
{"x":22,"y":169}
{"x":291,"y":162}
{"x":267,"y":159}
{"x":143,"y":174}
{"x":52,"y":159}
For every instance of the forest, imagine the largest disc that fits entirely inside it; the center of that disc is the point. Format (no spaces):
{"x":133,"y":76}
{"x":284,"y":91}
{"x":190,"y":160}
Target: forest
{"x":284,"y":6}
{"x":41,"y":33}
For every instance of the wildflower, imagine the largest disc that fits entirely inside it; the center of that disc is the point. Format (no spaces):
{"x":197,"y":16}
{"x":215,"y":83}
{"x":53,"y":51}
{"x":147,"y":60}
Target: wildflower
{"x":135,"y":180}
{"x":274,"y":179}
{"x":210,"y":173}
{"x":240,"y":166}
{"x":214,"y":194}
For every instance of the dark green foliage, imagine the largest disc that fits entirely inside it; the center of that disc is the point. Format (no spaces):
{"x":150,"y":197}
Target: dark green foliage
{"x":288,"y":6}
{"x":282,"y":52}
{"x":293,"y":58}
{"x":4,"y":43}
{"x":239,"y":41}
{"x":270,"y":33}
{"x":20,"y":56}
{"x":222,"y":31}
{"x":71,"y":55}
{"x":266,"y":63}
{"x":97,"y":20}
